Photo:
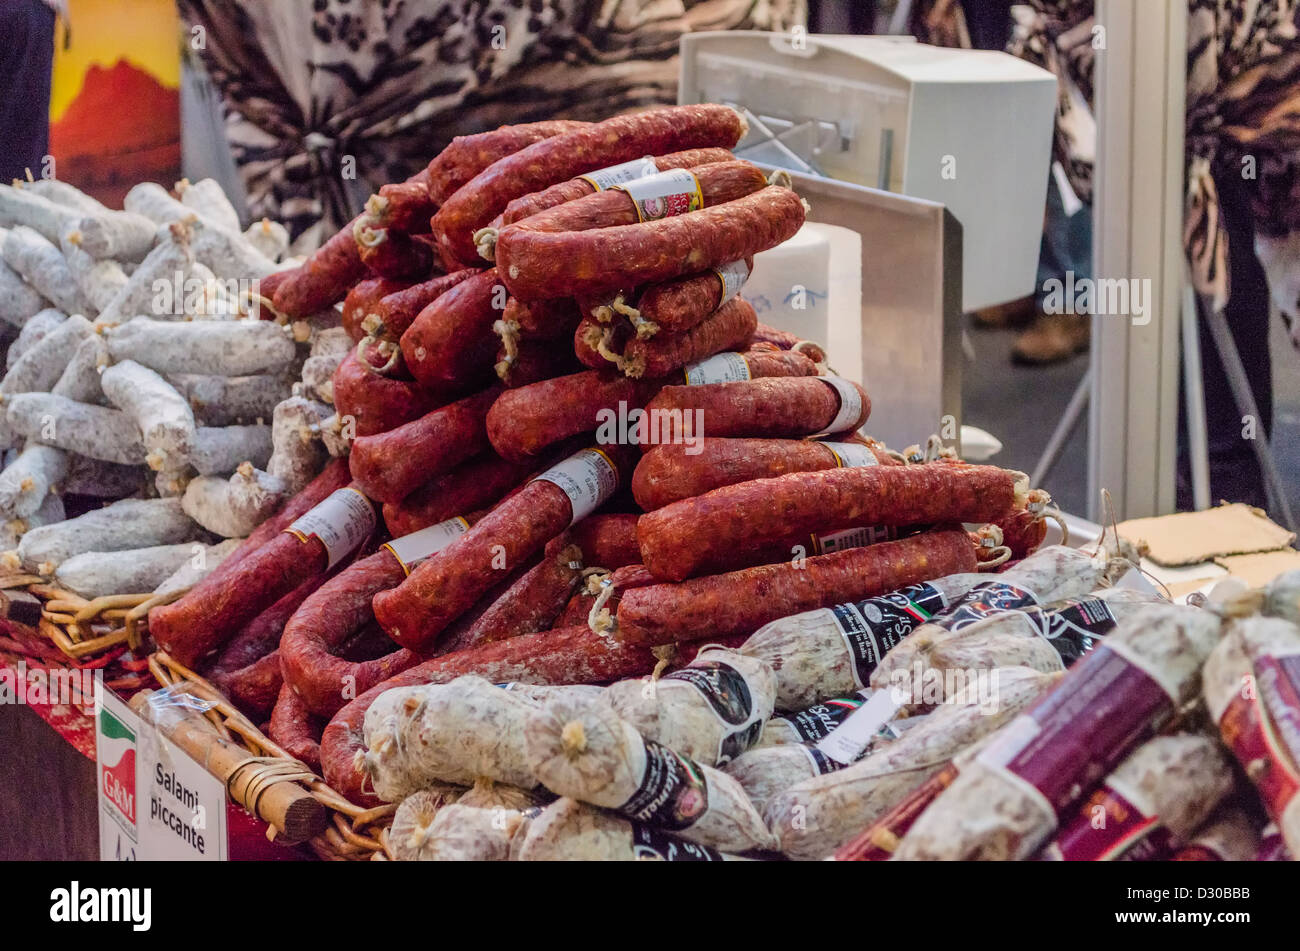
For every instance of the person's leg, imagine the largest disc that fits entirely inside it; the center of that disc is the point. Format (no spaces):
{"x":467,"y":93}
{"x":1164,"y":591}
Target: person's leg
{"x":26,"y":64}
{"x":1234,"y":472}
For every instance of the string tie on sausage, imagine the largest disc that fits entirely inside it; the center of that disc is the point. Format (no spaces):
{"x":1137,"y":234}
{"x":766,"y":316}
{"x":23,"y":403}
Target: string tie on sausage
{"x":485,"y":243}
{"x":645,"y":329}
{"x":573,"y":738}
{"x":363,"y":348}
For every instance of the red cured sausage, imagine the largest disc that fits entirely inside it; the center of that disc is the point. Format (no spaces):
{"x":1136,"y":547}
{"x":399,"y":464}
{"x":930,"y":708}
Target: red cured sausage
{"x":1024,"y":530}
{"x":600,"y":346}
{"x":295,"y":729}
{"x":253,"y":688}
{"x":537,"y":264}
{"x":404,"y":206}
{"x":678,"y":538}
{"x":533,"y":361}
{"x":620,"y":139}
{"x":445,"y":586}
{"x":397,"y":310}
{"x":680,"y":304}
{"x":395,"y":254}
{"x":473,"y":485}
{"x":577,"y":610}
{"x":467,"y":155}
{"x":572,"y":655}
{"x":575,"y":188}
{"x":740,"y":602}
{"x":788,"y":341}
{"x":211,"y":613}
{"x":451,"y":347}
{"x":543,"y":320}
{"x":726,"y":329}
{"x":774,"y":406}
{"x":390,"y":466}
{"x":523,"y":422}
{"x":607,"y":541}
{"x":672,"y":472}
{"x":377,"y":403}
{"x":706,"y":185}
{"x":324,"y":278}
{"x":265,"y":289}
{"x":363,"y":299}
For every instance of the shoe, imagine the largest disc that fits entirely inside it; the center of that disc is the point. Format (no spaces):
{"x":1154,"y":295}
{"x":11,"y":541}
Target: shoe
{"x":1052,"y":338}
{"x":1016,"y":313}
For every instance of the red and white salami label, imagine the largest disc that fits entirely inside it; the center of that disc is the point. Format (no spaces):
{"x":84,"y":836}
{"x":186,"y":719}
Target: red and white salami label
{"x":733,"y":277}
{"x":1076,"y":735}
{"x":1114,"y":823}
{"x":341,"y":522}
{"x":850,"y":404}
{"x":410,"y":550}
{"x":617,"y":175}
{"x":1262,"y":728}
{"x":719,"y":368}
{"x":852,"y":455}
{"x":588,"y":478}
{"x":665,"y":195}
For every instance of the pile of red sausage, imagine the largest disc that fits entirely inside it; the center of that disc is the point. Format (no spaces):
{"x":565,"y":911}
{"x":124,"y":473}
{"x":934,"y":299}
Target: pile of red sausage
{"x":486,"y":520}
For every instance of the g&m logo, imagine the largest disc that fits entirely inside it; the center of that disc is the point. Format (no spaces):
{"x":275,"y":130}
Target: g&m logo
{"x":117,"y":769}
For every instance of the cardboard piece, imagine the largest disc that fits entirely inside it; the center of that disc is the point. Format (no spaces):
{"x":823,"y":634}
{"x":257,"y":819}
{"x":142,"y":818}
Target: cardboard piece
{"x":1188,"y":538}
{"x":1259,"y":569}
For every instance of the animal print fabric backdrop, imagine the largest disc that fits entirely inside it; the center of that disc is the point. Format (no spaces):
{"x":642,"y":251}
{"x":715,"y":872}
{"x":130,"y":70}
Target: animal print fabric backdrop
{"x":311,"y":85}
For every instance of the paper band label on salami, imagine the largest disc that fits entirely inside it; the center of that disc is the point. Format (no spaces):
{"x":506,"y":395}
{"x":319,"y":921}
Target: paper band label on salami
{"x":852,"y":455}
{"x":821,"y":763}
{"x":983,"y":601}
{"x":1077,"y":734}
{"x":588,"y":478}
{"x":410,"y":550}
{"x":665,"y":195}
{"x":1109,"y":826}
{"x":341,"y":522}
{"x":731,"y":700}
{"x":819,"y":720}
{"x":871,"y":628}
{"x":1075,"y":629}
{"x":853,"y":538}
{"x":649,"y":844}
{"x":847,"y":742}
{"x":673,"y":793}
{"x":1262,"y":728}
{"x":733,"y":277}
{"x":621,"y":174}
{"x":850,"y":404}
{"x":719,"y":368}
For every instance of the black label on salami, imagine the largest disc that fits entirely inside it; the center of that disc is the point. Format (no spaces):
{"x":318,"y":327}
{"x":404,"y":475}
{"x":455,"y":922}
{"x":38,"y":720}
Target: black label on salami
{"x":819,"y":720}
{"x":1075,"y":629}
{"x":727,"y":693}
{"x":672,"y":795}
{"x":984,"y":600}
{"x":737,"y":741}
{"x":822,"y":763}
{"x":649,"y":844}
{"x":872,"y":627}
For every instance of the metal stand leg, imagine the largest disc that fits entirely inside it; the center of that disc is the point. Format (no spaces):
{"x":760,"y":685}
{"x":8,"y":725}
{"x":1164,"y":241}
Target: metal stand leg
{"x":1198,"y":444}
{"x":1073,"y":413}
{"x":1245,"y":400}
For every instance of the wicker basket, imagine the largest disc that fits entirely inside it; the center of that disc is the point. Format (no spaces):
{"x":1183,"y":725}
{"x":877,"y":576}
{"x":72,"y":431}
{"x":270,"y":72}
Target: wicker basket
{"x":355,"y":834}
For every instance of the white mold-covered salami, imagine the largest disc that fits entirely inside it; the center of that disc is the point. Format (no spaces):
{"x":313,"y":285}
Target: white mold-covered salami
{"x":203,"y":560}
{"x":235,"y":506}
{"x":115,"y":236}
{"x":1252,"y":690}
{"x":232,"y":347}
{"x":816,"y":816}
{"x":408,"y":836}
{"x":138,"y":297}
{"x":767,"y":771}
{"x":1007,"y":802}
{"x":98,"y":281}
{"x":41,"y":264}
{"x":23,"y":207}
{"x":227,"y":400}
{"x":220,"y":449}
{"x":19,"y":301}
{"x":103,"y":480}
{"x":94,"y":431}
{"x":571,"y":831}
{"x":328,"y":350}
{"x":831,"y":652}
{"x":124,"y":525}
{"x":155,"y":203}
{"x":165,"y":419}
{"x":270,"y":238}
{"x":80,"y":378}
{"x":297,"y":454}
{"x":1056,"y":573}
{"x":462,"y":833}
{"x":590,"y":753}
{"x":98,"y":573}
{"x":453,"y":732}
{"x":26,"y":482}
{"x":206,"y":198}
{"x":33,"y":332}
{"x":711,"y":710}
{"x":227,"y":253}
{"x":62,"y":193}
{"x":548,"y":693}
{"x":40,"y":367}
{"x":1227,"y":836}
{"x":1150,"y":804}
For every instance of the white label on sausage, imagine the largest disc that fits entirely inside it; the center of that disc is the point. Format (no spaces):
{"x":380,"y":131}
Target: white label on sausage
{"x":859,"y":537}
{"x":410,"y":550}
{"x":342,"y":522}
{"x":588,"y":478}
{"x":852,"y":455}
{"x":733,"y":277}
{"x":851,"y":738}
{"x":719,"y":368}
{"x":850,"y":404}
{"x":621,"y":174}
{"x":666,"y":194}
